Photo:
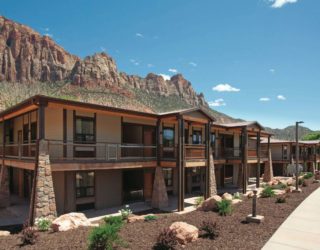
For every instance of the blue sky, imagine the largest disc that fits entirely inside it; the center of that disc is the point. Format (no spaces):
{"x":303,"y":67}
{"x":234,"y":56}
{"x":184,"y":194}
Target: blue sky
{"x":266,"y":53}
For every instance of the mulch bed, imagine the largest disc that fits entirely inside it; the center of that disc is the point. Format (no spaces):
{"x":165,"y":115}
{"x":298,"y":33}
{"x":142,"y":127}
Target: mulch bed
{"x":234,"y":233}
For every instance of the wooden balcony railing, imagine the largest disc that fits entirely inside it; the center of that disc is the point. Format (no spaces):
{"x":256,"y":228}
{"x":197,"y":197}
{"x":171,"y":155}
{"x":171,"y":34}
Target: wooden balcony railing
{"x":195,"y":151}
{"x":100,"y":151}
{"x":21,"y":151}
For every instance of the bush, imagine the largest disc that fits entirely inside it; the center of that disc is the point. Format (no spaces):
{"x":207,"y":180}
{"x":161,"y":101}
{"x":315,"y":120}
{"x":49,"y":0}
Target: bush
{"x":126,"y":212}
{"x":237,"y":196}
{"x":150,"y":217}
{"x":104,"y":237}
{"x":199,"y":201}
{"x":281,"y":199}
{"x":208,"y":229}
{"x":308,"y":175}
{"x":114,"y":220}
{"x":279,"y":186}
{"x":224,"y":207}
{"x":166,"y":240}
{"x":43,"y":224}
{"x":300,"y":181}
{"x":28,"y":235}
{"x":267,"y":192}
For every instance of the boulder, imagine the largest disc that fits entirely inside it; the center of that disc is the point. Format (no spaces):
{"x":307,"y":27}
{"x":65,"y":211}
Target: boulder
{"x":227,"y":196}
{"x":235,"y":201}
{"x":4,"y":233}
{"x":249,"y":194}
{"x":185,"y":232}
{"x":289,"y":189}
{"x":210,"y":204}
{"x":136,"y":218}
{"x":72,"y":221}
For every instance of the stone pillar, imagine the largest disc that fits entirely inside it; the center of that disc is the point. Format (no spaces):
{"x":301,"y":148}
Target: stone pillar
{"x":159,"y":194}
{"x":4,"y":187}
{"x":268,"y":171}
{"x":212,"y":177}
{"x":44,"y":197}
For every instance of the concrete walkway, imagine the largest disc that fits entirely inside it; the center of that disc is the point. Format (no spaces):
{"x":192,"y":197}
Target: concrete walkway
{"x":301,"y":230}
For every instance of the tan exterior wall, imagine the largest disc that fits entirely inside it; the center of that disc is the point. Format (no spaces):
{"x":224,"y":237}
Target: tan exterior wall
{"x":70,"y":201}
{"x":59,"y":190}
{"x":18,"y":125}
{"x":108,"y":128}
{"x":53,"y":124}
{"x":108,"y":188}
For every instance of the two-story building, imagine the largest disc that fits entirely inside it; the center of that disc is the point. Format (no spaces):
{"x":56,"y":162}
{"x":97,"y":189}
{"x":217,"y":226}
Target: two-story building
{"x":67,"y":156}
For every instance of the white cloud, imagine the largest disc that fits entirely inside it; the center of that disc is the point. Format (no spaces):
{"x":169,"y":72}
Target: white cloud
{"x":281,"y":98}
{"x":103,"y":49}
{"x":225,"y":88}
{"x":193,"y":64}
{"x":139,"y":35}
{"x":280,"y":3}
{"x":264,"y":99}
{"x":48,"y":34}
{"x":217,"y":103}
{"x":134,"y":62}
{"x":46,"y":29}
{"x":272,"y":71}
{"x":165,"y":77}
{"x":173,"y":71}
{"x":150,"y":65}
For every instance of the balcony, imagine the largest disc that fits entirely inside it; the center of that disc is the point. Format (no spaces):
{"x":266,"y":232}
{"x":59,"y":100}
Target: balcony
{"x":191,"y":152}
{"x":25,"y":151}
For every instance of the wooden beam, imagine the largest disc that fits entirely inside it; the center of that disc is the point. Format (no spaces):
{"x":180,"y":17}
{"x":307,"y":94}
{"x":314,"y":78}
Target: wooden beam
{"x":244,"y":158}
{"x":20,"y":112}
{"x":195,"y":119}
{"x":258,"y":156}
{"x":180,"y":164}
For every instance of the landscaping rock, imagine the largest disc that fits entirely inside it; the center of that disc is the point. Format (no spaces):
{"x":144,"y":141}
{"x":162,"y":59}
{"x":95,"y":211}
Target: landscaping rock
{"x":227,"y":196}
{"x":4,"y":233}
{"x":249,"y":194}
{"x":136,"y":218}
{"x":71,"y":221}
{"x":289,"y":189}
{"x":235,"y":201}
{"x":185,"y":232}
{"x":279,"y":191}
{"x":210,"y":204}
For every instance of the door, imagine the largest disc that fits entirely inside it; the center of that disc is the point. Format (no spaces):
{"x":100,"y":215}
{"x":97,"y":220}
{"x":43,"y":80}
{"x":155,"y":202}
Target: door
{"x":133,"y":185}
{"x":149,"y":134}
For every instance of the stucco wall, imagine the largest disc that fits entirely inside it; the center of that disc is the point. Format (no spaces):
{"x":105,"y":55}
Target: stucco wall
{"x":108,"y":188}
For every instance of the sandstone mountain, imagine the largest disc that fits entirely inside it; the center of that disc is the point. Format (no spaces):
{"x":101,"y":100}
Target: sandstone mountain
{"x":31,"y":63}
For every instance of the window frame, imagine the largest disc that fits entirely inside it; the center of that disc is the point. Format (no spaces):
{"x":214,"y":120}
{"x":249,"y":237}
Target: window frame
{"x":163,"y":138}
{"x":76,"y":135}
{"x":85,"y":187}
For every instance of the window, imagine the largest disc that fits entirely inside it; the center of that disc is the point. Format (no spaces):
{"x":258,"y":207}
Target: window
{"x":25,"y":133}
{"x":168,"y":177}
{"x":168,"y":137}
{"x":84,"y":184}
{"x":197,"y":137}
{"x":9,"y":131}
{"x":33,"y":131}
{"x":285,"y":152}
{"x":85,"y":131}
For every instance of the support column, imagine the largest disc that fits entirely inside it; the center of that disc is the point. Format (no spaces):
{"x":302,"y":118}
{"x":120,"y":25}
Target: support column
{"x":44,"y":203}
{"x":244,"y":159}
{"x":212,"y":175}
{"x":259,"y":158}
{"x":180,"y":164}
{"x":4,"y":175}
{"x":159,"y":193}
{"x":208,"y":155}
{"x":268,"y":170}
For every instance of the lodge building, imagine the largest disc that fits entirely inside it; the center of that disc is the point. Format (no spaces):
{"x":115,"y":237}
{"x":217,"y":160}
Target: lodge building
{"x":65,"y":156}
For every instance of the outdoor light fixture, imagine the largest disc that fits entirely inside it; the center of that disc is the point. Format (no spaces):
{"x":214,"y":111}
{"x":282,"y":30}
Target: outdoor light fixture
{"x":297,"y":155}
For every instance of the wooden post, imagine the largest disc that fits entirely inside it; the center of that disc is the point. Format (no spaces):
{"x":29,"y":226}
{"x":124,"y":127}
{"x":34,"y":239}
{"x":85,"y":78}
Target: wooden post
{"x":258,"y":157}
{"x":208,"y":145}
{"x":244,"y":158}
{"x":158,"y":131}
{"x":180,"y":164}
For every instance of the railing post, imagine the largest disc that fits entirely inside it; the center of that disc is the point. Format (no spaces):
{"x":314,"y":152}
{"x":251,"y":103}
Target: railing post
{"x":244,"y":158}
{"x":258,"y":158}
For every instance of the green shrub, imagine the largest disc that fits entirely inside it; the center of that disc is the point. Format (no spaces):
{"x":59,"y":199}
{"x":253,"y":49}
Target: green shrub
{"x":43,"y":224}
{"x":166,"y":240}
{"x":308,"y":175}
{"x":300,"y":181}
{"x":224,"y":207}
{"x":237,"y":196}
{"x":199,"y":201}
{"x":104,"y":237}
{"x":267,"y":192}
{"x":150,"y":217}
{"x":125,"y":212}
{"x":281,"y":199}
{"x":208,"y":229}
{"x":114,"y":220}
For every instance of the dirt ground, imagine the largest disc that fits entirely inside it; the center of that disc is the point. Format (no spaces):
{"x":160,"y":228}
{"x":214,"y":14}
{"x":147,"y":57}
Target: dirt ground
{"x":234,"y":233}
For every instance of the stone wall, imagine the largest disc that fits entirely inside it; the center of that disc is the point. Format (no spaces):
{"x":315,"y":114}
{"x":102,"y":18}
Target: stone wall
{"x":268,"y":170}
{"x":159,"y":194}
{"x":212,"y":177}
{"x":45,"y":204}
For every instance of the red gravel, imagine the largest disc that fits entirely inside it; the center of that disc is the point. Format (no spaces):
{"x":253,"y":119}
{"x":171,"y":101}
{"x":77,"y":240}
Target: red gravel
{"x":233,"y":232}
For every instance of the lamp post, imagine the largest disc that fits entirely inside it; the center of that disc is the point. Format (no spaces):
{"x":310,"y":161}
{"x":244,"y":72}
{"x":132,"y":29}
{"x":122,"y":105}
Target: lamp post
{"x":297,"y":155}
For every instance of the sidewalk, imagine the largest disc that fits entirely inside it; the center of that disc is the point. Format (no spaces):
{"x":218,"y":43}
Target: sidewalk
{"x":301,"y":230}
